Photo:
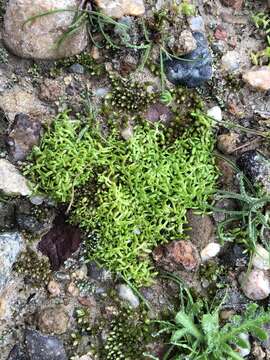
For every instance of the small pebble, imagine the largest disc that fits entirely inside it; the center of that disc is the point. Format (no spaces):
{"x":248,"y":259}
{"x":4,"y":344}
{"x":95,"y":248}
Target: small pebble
{"x":54,"y":288}
{"x":230,"y":61}
{"x":259,"y":79}
{"x":210,"y":251}
{"x":53,"y":320}
{"x":227,"y":143}
{"x":127,"y":133}
{"x":215,"y":113}
{"x":125,"y":293}
{"x":196,"y":23}
{"x":261,"y":258}
{"x":73,"y":290}
{"x":255,"y":284}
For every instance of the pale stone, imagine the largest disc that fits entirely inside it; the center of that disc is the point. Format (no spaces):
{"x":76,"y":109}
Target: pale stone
{"x":231,"y":61}
{"x":255,"y":285}
{"x":210,"y":251}
{"x":54,"y":288}
{"x":243,"y":351}
{"x":38,"y":39}
{"x":120,"y":8}
{"x":215,"y":113}
{"x":11,"y":181}
{"x":258,"y":79}
{"x":10,"y":246}
{"x":126,"y":293}
{"x":23,"y":100}
{"x":53,"y":320}
{"x":261,"y":258}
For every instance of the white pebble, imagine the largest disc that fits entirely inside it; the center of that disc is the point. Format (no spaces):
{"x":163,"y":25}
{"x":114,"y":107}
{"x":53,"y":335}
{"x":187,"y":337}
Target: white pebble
{"x":215,"y":113}
{"x":127,"y":294}
{"x":210,"y":251}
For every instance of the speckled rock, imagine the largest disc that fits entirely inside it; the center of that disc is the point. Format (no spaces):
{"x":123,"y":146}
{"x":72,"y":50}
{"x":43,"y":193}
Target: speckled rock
{"x":227,"y":143}
{"x":7,"y":215}
{"x":11,"y":181}
{"x":200,"y":229}
{"x":256,"y":167}
{"x":16,"y":353}
{"x":53,"y":320}
{"x":21,"y":99}
{"x":23,"y":135}
{"x":120,"y":8}
{"x":259,"y":79}
{"x":11,"y":244}
{"x":185,"y":44}
{"x":177,"y":255}
{"x":41,"y":347}
{"x":37,"y":39}
{"x":195,"y":68}
{"x":255,"y":284}
{"x":231,"y":61}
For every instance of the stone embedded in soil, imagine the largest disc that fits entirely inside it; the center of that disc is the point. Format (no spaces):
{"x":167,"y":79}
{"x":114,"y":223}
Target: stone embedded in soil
{"x":53,"y":288}
{"x":235,"y":4}
{"x":42,"y":347}
{"x":195,"y":68}
{"x":120,"y":8}
{"x":126,"y":293}
{"x":177,"y":255}
{"x":38,"y":39}
{"x":255,"y":284}
{"x":200,"y":229}
{"x":53,"y":320}
{"x":227,"y":143}
{"x":7,"y":215}
{"x":11,"y":244}
{"x":210,"y":251}
{"x":22,"y":99}
{"x":185,"y":44}
{"x":11,"y":181}
{"x":231,"y":61}
{"x":261,"y":258}
{"x":258,"y":79}
{"x":256,"y":167}
{"x":50,"y":90}
{"x":215,"y":113}
{"x":24,"y":134}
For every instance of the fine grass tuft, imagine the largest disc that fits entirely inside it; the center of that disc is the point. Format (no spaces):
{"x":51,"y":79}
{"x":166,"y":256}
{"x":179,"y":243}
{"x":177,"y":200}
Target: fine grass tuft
{"x":132,"y":194}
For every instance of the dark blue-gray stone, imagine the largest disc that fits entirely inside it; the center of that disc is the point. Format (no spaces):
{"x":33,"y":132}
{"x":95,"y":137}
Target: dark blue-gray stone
{"x":17,"y":354}
{"x":43,"y":347}
{"x":193,"y":69}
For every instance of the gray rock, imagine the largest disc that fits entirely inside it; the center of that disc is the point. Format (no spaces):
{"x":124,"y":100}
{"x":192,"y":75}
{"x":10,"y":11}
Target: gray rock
{"x":24,"y":134}
{"x":38,"y":39}
{"x":16,"y":354}
{"x":256,"y":167}
{"x":261,"y":259}
{"x":196,"y":23}
{"x":7,"y":215}
{"x":10,"y":246}
{"x":195,"y":68}
{"x":76,"y":69}
{"x":11,"y":181}
{"x":41,"y":347}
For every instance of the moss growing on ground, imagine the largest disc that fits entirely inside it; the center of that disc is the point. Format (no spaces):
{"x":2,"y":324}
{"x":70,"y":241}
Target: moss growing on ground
{"x":132,"y":194}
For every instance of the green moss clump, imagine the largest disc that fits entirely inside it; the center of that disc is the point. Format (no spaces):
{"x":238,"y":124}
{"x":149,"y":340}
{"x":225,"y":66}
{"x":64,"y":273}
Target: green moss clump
{"x":132,"y":194}
{"x":128,"y":336}
{"x":34,"y":269}
{"x":129,"y":96}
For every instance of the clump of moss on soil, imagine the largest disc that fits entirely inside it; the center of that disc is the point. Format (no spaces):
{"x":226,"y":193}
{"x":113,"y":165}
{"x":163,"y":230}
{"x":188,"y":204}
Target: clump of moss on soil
{"x":132,"y":194}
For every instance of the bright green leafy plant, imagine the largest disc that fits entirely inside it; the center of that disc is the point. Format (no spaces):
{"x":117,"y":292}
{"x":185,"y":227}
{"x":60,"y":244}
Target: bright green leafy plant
{"x":133,"y":195}
{"x":197,"y":333}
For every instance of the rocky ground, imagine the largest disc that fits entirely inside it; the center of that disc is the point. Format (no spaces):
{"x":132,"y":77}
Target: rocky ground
{"x":54,"y":304}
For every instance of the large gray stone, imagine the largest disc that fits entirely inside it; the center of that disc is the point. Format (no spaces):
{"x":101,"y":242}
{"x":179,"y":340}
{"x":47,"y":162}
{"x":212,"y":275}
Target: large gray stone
{"x":11,"y":244}
{"x":37,"y":39}
{"x":11,"y":181}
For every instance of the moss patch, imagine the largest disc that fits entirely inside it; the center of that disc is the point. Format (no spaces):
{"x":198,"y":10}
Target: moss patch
{"x":132,"y":194}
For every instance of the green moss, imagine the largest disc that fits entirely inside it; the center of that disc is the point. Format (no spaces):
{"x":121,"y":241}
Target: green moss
{"x":129,"y":333}
{"x":34,"y":269}
{"x":129,"y":96}
{"x":133,"y":195}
